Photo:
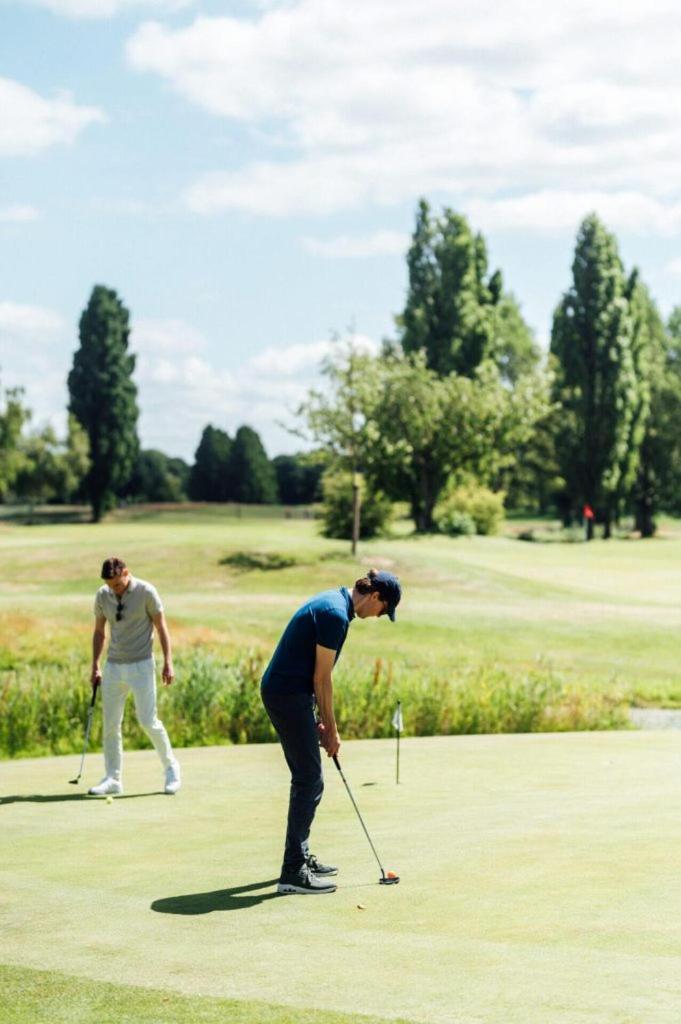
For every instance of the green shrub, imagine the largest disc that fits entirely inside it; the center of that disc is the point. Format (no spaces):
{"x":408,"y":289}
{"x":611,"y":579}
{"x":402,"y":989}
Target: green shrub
{"x":336,"y":509}
{"x":470,"y":502}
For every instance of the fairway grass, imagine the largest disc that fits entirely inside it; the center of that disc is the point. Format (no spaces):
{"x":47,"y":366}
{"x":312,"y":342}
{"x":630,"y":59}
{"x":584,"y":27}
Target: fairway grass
{"x":540,"y":882}
{"x":605,"y":615}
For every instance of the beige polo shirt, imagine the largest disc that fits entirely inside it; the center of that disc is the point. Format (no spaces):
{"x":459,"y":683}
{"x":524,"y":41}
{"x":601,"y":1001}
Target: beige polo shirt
{"x":131,"y":636}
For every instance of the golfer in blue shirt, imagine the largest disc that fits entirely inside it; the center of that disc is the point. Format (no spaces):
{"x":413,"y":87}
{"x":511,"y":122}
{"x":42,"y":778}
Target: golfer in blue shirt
{"x":297,"y":679}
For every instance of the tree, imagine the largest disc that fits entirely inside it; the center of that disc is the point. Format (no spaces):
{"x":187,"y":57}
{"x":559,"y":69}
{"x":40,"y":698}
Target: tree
{"x":158,"y":478}
{"x":253,"y":478}
{"x":52,"y":470}
{"x":456,"y":311}
{"x":658,"y":483}
{"x":103,"y":397}
{"x":599,"y":379}
{"x":13,"y":415}
{"x":418,"y":429}
{"x":209,"y":479}
{"x":298,"y":477}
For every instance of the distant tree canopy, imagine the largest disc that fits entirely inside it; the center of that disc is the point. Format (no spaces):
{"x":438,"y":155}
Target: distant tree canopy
{"x":456,"y":311}
{"x":52,"y":470}
{"x":209,"y":478}
{"x":13,"y":415}
{"x":601,"y":343}
{"x":158,"y":478}
{"x":232,"y":470}
{"x":298,"y":478}
{"x":103,"y":397}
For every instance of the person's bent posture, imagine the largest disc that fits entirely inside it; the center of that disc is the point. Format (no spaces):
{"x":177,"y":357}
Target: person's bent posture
{"x":297,"y":679}
{"x":132,"y":608}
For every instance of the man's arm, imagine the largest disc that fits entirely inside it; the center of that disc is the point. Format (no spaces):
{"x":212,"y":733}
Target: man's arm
{"x":323,"y":688}
{"x":98,"y":638}
{"x":168,"y":673}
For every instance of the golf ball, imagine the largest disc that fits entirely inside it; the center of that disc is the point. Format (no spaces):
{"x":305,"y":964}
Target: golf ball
{"x":109,"y":799}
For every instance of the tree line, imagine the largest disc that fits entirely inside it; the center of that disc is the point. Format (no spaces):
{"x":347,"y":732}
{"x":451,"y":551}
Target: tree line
{"x":460,"y":402}
{"x":101,"y":460}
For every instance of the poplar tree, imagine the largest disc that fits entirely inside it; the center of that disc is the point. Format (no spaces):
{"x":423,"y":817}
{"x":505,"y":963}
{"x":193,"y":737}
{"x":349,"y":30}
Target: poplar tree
{"x":103,"y":397}
{"x":253,"y":478}
{"x":600,"y":379}
{"x":456,"y":311}
{"x":210,"y":479}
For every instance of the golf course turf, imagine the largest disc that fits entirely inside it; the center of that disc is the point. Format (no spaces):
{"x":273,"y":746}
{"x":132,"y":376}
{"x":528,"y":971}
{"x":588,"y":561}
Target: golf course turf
{"x":540,"y":882}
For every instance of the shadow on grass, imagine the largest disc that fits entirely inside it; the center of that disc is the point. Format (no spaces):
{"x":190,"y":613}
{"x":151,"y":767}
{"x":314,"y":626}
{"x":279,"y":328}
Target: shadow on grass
{"x":58,"y":798}
{"x":219,"y":899}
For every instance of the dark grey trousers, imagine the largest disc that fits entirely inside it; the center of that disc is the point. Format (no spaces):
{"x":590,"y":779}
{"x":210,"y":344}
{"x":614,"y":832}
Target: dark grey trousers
{"x":292,"y":715}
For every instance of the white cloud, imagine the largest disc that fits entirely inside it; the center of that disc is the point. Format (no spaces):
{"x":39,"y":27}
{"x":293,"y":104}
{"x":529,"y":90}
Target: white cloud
{"x":380,"y":102}
{"x":93,"y":9}
{"x":674,"y":267}
{"x":555,"y":210}
{"x":19,"y":323}
{"x":181,"y":390}
{"x":379,"y":243}
{"x":30,"y":123}
{"x":18,"y":214}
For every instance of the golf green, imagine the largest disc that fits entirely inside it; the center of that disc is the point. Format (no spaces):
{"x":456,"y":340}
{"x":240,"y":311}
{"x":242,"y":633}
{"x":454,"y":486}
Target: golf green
{"x":540,"y":882}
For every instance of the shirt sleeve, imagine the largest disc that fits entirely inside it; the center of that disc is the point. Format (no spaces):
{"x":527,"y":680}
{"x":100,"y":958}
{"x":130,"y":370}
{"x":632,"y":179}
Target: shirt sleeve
{"x":330,"y":629}
{"x":153,"y":603}
{"x":98,"y":609}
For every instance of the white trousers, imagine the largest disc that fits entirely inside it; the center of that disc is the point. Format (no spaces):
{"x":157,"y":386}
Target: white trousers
{"x":117,"y":681}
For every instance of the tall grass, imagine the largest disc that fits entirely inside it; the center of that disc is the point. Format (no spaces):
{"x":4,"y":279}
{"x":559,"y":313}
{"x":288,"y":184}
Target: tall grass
{"x":214,"y":701}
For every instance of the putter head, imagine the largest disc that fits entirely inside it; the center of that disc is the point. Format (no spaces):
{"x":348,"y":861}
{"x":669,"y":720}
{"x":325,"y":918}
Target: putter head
{"x":389,"y":880}
{"x":73,"y":782}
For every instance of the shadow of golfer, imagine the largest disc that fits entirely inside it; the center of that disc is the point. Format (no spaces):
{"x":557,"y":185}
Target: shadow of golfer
{"x":58,"y":798}
{"x":220,"y":899}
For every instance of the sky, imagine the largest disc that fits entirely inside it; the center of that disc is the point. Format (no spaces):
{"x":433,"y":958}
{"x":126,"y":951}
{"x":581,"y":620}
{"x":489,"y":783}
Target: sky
{"x":245,"y":175}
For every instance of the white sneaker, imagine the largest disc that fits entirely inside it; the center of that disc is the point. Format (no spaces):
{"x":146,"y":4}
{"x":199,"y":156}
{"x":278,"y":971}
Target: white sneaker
{"x":173,"y":778}
{"x":107,"y":787}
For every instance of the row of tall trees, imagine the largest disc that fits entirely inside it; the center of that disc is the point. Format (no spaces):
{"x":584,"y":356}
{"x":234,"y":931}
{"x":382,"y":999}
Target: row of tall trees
{"x":463,"y":394}
{"x":101,"y":459}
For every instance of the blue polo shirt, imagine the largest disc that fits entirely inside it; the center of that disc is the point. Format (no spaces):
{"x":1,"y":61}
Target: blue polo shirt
{"x":323,"y":620}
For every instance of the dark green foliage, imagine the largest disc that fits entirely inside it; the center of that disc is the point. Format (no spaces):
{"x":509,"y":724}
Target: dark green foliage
{"x":456,"y":312}
{"x":658,"y":483}
{"x":337,"y":508}
{"x":298,"y":478}
{"x":158,"y":478}
{"x":600,"y":378}
{"x":266,"y":561}
{"x":103,"y":397}
{"x":252,"y":476}
{"x":210,"y":476}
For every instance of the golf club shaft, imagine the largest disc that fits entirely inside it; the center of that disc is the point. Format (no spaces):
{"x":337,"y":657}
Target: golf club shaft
{"x":88,"y":727}
{"x":345,"y":781}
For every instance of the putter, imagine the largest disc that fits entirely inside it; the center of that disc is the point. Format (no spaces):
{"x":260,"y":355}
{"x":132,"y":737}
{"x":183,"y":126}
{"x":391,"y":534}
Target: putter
{"x":385,"y":879}
{"x":88,"y":726}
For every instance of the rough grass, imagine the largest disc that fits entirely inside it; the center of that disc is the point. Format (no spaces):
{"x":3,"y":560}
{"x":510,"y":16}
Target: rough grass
{"x":42,"y":707}
{"x":600,"y":617}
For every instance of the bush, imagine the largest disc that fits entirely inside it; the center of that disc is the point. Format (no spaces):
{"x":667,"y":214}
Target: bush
{"x":336,"y":510}
{"x":470,"y":503}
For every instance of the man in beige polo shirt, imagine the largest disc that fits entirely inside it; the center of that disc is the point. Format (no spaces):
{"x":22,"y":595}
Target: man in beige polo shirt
{"x":132,"y":608}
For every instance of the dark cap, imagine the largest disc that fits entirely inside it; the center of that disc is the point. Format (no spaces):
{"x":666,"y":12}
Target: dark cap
{"x":388,"y":586}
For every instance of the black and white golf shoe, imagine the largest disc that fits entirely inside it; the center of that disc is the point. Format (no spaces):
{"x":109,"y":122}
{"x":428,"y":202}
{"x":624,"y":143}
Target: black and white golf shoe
{"x":305,"y":883}
{"x":317,"y":868}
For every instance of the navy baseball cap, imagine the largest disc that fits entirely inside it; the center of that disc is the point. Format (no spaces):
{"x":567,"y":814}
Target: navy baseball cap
{"x":388,"y":586}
